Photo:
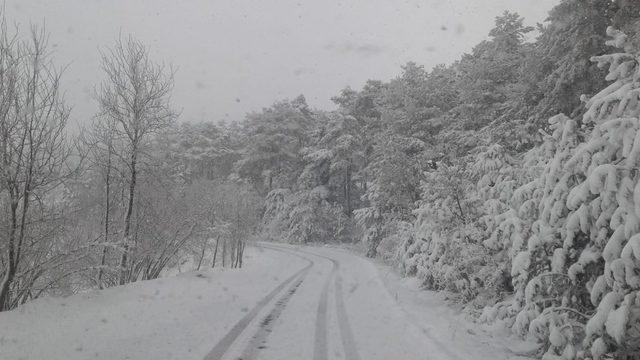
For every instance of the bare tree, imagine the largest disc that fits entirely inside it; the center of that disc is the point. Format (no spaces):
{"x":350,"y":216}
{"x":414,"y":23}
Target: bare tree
{"x":136,"y":96}
{"x":107,"y":202}
{"x":33,"y":151}
{"x":102,"y":145}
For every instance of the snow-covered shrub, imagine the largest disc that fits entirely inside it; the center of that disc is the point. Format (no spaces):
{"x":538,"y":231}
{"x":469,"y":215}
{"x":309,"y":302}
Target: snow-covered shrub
{"x":313,"y":219}
{"x":541,"y":214}
{"x":395,"y":170}
{"x":445,"y":251}
{"x":277,"y":206}
{"x":398,"y":232}
{"x":370,"y":224}
{"x":494,"y":168}
{"x":303,"y":217}
{"x":499,"y":176}
{"x":468,"y":226}
{"x":507,"y":239}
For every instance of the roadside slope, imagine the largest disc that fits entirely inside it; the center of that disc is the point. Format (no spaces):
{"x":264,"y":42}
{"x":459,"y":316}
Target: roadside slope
{"x":177,"y":317}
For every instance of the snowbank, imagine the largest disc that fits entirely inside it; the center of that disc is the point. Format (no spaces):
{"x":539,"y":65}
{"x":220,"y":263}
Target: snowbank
{"x":168,"y":318}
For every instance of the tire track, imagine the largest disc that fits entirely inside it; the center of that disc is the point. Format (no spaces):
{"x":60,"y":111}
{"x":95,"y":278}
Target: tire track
{"x":320,"y":348}
{"x":258,"y":341}
{"x":348,"y":341}
{"x":225,"y":343}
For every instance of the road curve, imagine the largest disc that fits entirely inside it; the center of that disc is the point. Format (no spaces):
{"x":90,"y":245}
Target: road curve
{"x":287,"y":303}
{"x":336,"y":307}
{"x":223,"y":345}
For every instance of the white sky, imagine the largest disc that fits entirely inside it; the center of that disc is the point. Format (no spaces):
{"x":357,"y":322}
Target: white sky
{"x":236,"y":56}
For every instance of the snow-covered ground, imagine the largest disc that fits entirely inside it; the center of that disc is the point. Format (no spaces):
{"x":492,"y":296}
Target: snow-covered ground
{"x":449,"y":328}
{"x":286,"y":303}
{"x":171,"y":318}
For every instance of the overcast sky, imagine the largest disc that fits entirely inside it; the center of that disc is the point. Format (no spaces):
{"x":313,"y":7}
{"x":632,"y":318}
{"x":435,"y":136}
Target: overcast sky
{"x":236,"y":56}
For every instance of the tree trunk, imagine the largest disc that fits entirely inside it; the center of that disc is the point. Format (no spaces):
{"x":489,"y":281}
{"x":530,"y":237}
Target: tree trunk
{"x":11,"y":261}
{"x":241,"y":254}
{"x":347,"y":191}
{"x":237,"y":241}
{"x":16,"y":239}
{"x":234,"y":255}
{"x":237,"y":255}
{"x":127,"y":219}
{"x":224,"y":252}
{"x":204,"y":247}
{"x":106,"y":215}
{"x":6,"y":285}
{"x":215,"y":252}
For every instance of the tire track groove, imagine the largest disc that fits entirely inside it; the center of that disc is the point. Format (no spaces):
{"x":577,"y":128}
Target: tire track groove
{"x":225,"y":343}
{"x":347,"y":337}
{"x":348,"y":341}
{"x":258,"y":340}
{"x":320,"y":349}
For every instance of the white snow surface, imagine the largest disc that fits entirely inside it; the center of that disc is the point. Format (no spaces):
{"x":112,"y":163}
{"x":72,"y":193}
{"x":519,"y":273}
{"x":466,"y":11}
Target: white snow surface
{"x":447,"y":329}
{"x":342,"y":307}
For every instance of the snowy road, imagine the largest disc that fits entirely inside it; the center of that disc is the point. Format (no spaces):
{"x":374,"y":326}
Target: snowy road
{"x":287,"y":303}
{"x":334,"y":307}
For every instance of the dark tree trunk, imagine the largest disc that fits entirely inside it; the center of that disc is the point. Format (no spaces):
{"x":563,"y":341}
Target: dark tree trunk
{"x":204,"y":247}
{"x":215,"y":253}
{"x":127,"y":219}
{"x":106,"y":216}
{"x":224,"y":252}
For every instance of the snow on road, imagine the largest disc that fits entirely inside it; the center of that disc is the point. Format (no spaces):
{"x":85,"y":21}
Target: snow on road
{"x":288,"y":302}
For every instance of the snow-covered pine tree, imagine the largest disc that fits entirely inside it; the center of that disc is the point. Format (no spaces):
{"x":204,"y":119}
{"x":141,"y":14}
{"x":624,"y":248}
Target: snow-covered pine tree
{"x":588,"y":304}
{"x":445,"y":251}
{"x":394,"y":171}
{"x":543,"y":293}
{"x":275,"y":219}
{"x":511,"y":196}
{"x":602,"y":243}
{"x":515,"y":226}
{"x":493,"y":167}
{"x":312,"y":217}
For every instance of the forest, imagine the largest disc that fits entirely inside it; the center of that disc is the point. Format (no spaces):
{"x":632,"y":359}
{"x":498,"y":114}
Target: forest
{"x":508,"y":179}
